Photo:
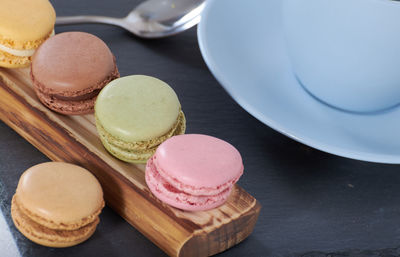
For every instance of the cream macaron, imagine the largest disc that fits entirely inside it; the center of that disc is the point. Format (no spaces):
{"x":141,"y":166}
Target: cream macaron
{"x":24,"y":26}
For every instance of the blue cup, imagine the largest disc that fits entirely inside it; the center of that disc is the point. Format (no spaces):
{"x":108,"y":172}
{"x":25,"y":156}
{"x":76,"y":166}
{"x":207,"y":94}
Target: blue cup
{"x":346,"y":52}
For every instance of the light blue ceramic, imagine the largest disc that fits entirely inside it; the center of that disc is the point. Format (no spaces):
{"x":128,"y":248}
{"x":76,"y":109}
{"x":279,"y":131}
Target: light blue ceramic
{"x":346,"y":52}
{"x":242,"y":43}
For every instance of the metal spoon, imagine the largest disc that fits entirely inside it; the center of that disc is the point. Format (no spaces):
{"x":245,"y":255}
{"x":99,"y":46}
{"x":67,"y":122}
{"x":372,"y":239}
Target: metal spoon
{"x":150,"y":19}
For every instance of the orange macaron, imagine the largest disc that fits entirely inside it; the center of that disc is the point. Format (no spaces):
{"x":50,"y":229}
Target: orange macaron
{"x":57,"y":204}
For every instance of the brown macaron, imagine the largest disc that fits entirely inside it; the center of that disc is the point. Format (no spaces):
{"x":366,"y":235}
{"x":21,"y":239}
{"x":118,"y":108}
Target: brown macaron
{"x":69,"y":69}
{"x":57,"y":204}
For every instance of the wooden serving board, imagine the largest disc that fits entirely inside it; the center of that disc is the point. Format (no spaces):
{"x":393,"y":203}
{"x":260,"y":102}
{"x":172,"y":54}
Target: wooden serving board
{"x":74,"y":139}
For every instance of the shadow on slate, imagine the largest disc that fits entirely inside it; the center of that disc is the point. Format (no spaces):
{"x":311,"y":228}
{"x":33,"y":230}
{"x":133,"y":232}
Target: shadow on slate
{"x":182,"y":49}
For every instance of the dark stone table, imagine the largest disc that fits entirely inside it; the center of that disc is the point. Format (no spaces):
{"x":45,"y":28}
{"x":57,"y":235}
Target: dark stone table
{"x":314,"y":203}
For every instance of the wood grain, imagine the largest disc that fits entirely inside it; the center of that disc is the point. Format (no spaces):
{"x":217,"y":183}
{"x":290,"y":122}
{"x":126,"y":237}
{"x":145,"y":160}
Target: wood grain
{"x":74,"y":139}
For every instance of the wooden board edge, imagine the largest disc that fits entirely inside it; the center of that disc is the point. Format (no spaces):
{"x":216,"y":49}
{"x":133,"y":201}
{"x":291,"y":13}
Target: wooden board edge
{"x":211,"y":244}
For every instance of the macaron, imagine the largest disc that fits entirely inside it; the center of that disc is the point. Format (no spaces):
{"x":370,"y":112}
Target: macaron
{"x":25,"y":24}
{"x":135,"y":114}
{"x":194,"y":172}
{"x":69,"y":70}
{"x":57,"y":204}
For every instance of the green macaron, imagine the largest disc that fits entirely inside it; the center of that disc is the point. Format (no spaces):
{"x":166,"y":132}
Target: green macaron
{"x":134,"y":114}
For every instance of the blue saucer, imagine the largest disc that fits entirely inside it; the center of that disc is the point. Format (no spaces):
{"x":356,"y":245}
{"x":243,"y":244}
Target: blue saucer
{"x":242,"y":44}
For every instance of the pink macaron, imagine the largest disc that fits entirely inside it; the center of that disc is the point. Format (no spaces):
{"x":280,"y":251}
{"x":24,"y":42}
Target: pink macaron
{"x":194,"y":172}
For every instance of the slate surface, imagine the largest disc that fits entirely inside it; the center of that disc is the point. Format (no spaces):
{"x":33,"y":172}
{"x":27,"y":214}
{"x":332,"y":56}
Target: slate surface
{"x":314,"y":203}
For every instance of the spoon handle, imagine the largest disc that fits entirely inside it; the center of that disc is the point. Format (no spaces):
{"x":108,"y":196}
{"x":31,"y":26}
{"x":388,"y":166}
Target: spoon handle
{"x":87,"y":19}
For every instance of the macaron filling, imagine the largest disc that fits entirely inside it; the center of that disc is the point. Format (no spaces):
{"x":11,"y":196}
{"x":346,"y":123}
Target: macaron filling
{"x":67,"y":106}
{"x":77,"y":98}
{"x":20,"y":52}
{"x":162,"y":188}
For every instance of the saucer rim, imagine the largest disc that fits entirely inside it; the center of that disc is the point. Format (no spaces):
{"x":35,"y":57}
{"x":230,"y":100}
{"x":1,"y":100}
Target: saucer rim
{"x":259,"y":115}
